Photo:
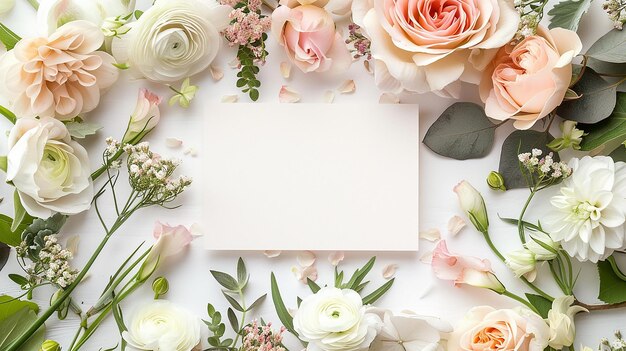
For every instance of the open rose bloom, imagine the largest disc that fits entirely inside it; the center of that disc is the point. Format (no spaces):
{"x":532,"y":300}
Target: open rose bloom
{"x":429,"y":45}
{"x":527,"y":81}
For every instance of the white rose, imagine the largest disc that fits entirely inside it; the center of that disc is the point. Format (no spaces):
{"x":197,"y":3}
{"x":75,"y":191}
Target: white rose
{"x":336,"y":320}
{"x":49,"y":170}
{"x":51,"y":14}
{"x":561,"y":321}
{"x":161,"y":325}
{"x":172,"y":40}
{"x":410,"y":332}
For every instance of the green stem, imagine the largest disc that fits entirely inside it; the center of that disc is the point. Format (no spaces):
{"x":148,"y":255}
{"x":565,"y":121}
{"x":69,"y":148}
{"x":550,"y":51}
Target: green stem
{"x":98,"y":172}
{"x":520,"y":300}
{"x":520,"y":222}
{"x":243,"y":317}
{"x":10,"y":116}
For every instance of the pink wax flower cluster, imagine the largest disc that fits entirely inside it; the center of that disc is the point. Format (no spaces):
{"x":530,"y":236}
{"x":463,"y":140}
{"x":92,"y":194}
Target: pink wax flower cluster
{"x":262,"y":338}
{"x":247,"y":26}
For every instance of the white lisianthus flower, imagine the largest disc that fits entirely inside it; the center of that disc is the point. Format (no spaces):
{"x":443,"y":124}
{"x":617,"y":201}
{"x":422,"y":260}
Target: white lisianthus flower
{"x":588,"y":216}
{"x":561,"y":322}
{"x":52,"y":14}
{"x":523,"y":263}
{"x":410,"y":332}
{"x":544,"y":248}
{"x":473,"y":204}
{"x":161,"y":325}
{"x":172,"y":40}
{"x":49,"y":170}
{"x":336,"y":320}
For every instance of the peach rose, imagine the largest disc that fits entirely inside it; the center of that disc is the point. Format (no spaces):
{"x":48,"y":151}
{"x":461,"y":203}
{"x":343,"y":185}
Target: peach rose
{"x":485,"y":328}
{"x":59,"y":76}
{"x":527,"y":81}
{"x":427,"y":45}
{"x":307,"y":33}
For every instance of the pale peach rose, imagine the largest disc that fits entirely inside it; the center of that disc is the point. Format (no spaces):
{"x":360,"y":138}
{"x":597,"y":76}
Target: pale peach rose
{"x":307,"y":33}
{"x":464,"y":269}
{"x":429,"y":45}
{"x":335,"y":7}
{"x":485,"y":329}
{"x":59,"y":76}
{"x":527,"y":81}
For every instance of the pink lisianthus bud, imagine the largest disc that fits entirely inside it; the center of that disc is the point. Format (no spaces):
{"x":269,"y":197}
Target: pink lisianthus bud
{"x":473,"y":205}
{"x":144,"y":118}
{"x":170,"y":241}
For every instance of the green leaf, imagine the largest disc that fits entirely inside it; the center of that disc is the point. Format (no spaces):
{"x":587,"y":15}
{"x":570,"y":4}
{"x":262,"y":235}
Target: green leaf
{"x":138,"y":14}
{"x":233,"y":302}
{"x":20,"y":211}
{"x":254,"y":94}
{"x":242,"y":274}
{"x":79,"y":130}
{"x":312,"y":285}
{"x":232,"y":318}
{"x":8,"y":236}
{"x":611,"y":47}
{"x":281,"y":310}
{"x":121,"y":66}
{"x":567,"y":13}
{"x":18,"y":279}
{"x":8,"y":38}
{"x":3,"y":163}
{"x":610,"y":129}
{"x":612,"y":288}
{"x":5,"y":251}
{"x":8,"y":114}
{"x":462,"y":132}
{"x":226,"y":280}
{"x":210,"y":310}
{"x":518,"y":142}
{"x":596,"y":102}
{"x":542,"y":304}
{"x":338,"y":278}
{"x":10,"y":305}
{"x":13,"y":326}
{"x":619,"y":154}
{"x":360,"y":274}
{"x":256,"y":303}
{"x":378,"y":293}
{"x":601,"y":67}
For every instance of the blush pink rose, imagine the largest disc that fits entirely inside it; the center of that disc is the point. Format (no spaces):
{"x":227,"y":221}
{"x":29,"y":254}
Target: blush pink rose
{"x":527,"y":81}
{"x":486,"y":329}
{"x":59,"y":76}
{"x":308,"y":34}
{"x":429,"y":45}
{"x":464,"y":269}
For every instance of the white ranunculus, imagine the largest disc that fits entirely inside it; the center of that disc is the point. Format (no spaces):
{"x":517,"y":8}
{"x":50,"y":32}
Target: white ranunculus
{"x":52,"y":14}
{"x":588,"y":215}
{"x":161,"y":325}
{"x":49,"y":170}
{"x":410,"y":332}
{"x":172,"y":40}
{"x":336,"y":320}
{"x":561,"y":321}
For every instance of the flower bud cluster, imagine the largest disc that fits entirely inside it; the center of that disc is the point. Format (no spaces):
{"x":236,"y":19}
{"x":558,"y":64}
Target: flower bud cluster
{"x":262,"y":338}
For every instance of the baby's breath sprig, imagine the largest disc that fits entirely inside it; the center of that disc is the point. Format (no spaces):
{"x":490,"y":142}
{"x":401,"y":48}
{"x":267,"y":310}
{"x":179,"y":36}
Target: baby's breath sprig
{"x":616,"y":9}
{"x":531,"y":13}
{"x":542,"y":172}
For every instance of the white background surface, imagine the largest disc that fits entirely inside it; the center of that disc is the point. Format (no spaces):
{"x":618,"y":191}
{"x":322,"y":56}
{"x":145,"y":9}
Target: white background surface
{"x":190,"y":282}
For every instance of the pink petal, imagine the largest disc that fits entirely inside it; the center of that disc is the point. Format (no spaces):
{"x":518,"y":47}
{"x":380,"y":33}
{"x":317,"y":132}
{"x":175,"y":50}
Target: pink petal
{"x":272,"y":253}
{"x":389,"y":98}
{"x":306,"y":258}
{"x":432,"y":234}
{"x":287,"y":95}
{"x":456,"y":224}
{"x":389,"y":271}
{"x":347,"y":87}
{"x":285,"y":69}
{"x":336,"y":257}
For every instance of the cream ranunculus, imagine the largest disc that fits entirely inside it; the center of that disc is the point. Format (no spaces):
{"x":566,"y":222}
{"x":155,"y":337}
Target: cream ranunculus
{"x":60,"y":76}
{"x":487,"y":329}
{"x":410,"y":332}
{"x":49,"y":170}
{"x":588,"y":215}
{"x":172,"y":40}
{"x":427,"y":45}
{"x":525,"y":82}
{"x":161,"y":325}
{"x":561,"y":321}
{"x":51,"y":14}
{"x":336,"y":320}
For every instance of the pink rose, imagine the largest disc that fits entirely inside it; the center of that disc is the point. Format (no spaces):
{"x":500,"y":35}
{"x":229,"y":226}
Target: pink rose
{"x":60,"y":76}
{"x":464,"y":269}
{"x":169,"y":241}
{"x":427,"y":45}
{"x":527,"y":81}
{"x":485,"y":328}
{"x":307,"y":33}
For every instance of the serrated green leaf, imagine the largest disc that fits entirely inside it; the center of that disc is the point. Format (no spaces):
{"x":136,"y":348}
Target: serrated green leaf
{"x":226,"y":280}
{"x":8,"y":38}
{"x":378,"y":293}
{"x":567,"y":13}
{"x":462,"y":132}
{"x":79,"y":130}
{"x":312,"y":285}
{"x":541,"y":304}
{"x":596,"y":102}
{"x":611,"y":129}
{"x":233,"y":302}
{"x":232,"y":319}
{"x":518,"y":142}
{"x":281,"y":310}
{"x":256,"y":303}
{"x":612,"y":288}
{"x":611,"y":47}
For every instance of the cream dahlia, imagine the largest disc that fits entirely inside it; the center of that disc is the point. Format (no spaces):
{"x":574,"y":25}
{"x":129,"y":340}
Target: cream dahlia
{"x":589,"y":214}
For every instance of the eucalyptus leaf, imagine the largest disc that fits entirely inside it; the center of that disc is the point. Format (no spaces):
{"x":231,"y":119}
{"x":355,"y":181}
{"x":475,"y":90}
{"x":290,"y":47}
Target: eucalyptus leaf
{"x":567,"y":13}
{"x":611,"y":47}
{"x":521,"y":141}
{"x":79,"y":130}
{"x":5,"y":251}
{"x":610,"y":129}
{"x":226,"y":280}
{"x":12,"y":305}
{"x":462,"y":132}
{"x":612,"y":288}
{"x":596,"y":102}
{"x":606,"y":68}
{"x":13,"y":326}
{"x":540,"y":303}
{"x":619,"y":154}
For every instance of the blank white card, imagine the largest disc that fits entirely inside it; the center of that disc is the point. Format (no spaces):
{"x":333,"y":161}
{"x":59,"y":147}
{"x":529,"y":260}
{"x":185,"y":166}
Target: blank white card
{"x":310,"y":177}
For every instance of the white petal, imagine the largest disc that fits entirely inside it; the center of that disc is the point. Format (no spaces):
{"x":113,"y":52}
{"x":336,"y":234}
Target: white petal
{"x":389,"y":271}
{"x":329,"y":96}
{"x":72,"y":244}
{"x":306,"y":258}
{"x":272,"y":253}
{"x":336,"y":257}
{"x":427,"y":257}
{"x":196,"y":230}
{"x":173,"y":142}
{"x":287,"y":95}
{"x":285,"y":69}
{"x":368,"y":67}
{"x":432,"y":234}
{"x":216,"y":73}
{"x":455,"y":225}
{"x":347,"y":87}
{"x":230,"y":98}
{"x":388,"y":98}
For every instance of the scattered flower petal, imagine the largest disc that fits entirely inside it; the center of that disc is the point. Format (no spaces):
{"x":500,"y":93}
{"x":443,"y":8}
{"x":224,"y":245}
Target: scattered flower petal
{"x":302,"y":274}
{"x":427,"y":257}
{"x":336,"y":257}
{"x":432,"y":234}
{"x":368,"y":67}
{"x":455,"y":225}
{"x":347,"y":87}
{"x":287,"y":95}
{"x":72,"y":244}
{"x":196,"y":230}
{"x":230,"y":98}
{"x":272,"y":253}
{"x":306,"y":258}
{"x":285,"y":69}
{"x":389,"y":98}
{"x":191,"y":152}
{"x":173,"y":142}
{"x":329,"y":96}
{"x":389,"y":270}
{"x":216,"y":73}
